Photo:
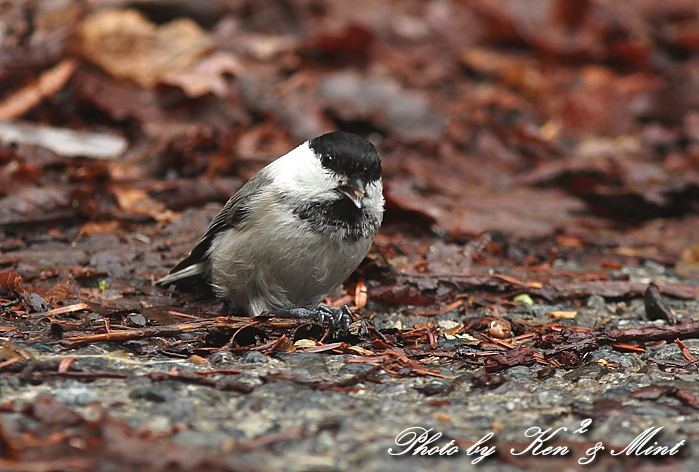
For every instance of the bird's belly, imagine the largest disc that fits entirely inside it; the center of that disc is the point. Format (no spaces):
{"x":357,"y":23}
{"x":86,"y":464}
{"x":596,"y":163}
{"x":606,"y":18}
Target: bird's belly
{"x":282,"y":269}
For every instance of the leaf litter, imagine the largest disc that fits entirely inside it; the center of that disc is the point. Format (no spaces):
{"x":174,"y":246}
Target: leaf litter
{"x":542,"y":198}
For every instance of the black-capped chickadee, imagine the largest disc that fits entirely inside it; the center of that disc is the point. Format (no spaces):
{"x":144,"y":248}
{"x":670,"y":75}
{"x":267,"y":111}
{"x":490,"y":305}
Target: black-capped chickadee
{"x":294,"y":232}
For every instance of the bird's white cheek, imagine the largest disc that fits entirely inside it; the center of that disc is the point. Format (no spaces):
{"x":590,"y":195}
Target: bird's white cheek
{"x":300,"y":174}
{"x":375,"y":197}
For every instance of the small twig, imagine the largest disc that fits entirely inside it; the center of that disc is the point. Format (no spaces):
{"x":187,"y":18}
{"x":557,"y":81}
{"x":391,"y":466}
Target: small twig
{"x":62,"y":463}
{"x":225,"y":385}
{"x":231,"y":342}
{"x":183,"y":315}
{"x":651,"y":333}
{"x":685,"y":352}
{"x":218,"y":371}
{"x":101,"y":374}
{"x":169,"y":330}
{"x":186,"y":377}
{"x":272,"y":438}
{"x":67,"y":309}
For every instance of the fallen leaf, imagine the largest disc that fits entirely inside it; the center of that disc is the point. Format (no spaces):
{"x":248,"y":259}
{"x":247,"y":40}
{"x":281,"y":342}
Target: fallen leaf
{"x":99,"y":227}
{"x":136,"y":201}
{"x":195,"y":359}
{"x":686,"y":352}
{"x":206,"y":76}
{"x":127,"y":45}
{"x":360,"y":351}
{"x":361,"y":294}
{"x":565,"y":315}
{"x":49,"y":82}
{"x":305,"y":343}
{"x":689,"y":261}
{"x":11,"y":281}
{"x":64,"y":142}
{"x":523,"y":298}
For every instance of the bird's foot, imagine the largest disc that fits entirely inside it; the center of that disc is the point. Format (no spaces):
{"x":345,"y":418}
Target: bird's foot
{"x":336,"y":320}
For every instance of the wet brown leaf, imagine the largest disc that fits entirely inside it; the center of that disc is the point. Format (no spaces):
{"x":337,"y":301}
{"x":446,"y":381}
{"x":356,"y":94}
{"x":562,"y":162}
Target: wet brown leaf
{"x":127,"y":45}
{"x":400,"y":295}
{"x":11,"y":281}
{"x":206,"y":76}
{"x":137,"y":202}
{"x":49,"y":82}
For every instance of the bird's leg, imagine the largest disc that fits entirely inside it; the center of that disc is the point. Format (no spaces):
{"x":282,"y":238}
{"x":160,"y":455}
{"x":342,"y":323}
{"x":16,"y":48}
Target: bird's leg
{"x":337,"y":320}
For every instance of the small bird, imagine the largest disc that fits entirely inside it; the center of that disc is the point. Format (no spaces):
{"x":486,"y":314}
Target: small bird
{"x":294,"y":232}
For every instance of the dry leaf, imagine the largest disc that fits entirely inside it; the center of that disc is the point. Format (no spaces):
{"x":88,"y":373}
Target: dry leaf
{"x":689,"y":261}
{"x":206,"y":76}
{"x":443,"y":417}
{"x":563,"y":315}
{"x":305,"y":343}
{"x":49,"y":82}
{"x":128,"y":46}
{"x":195,"y":359}
{"x":58,"y":293}
{"x":11,"y":281}
{"x":102,"y":227}
{"x":360,"y":351}
{"x":361,"y":294}
{"x":136,"y":201}
{"x":284,"y":345}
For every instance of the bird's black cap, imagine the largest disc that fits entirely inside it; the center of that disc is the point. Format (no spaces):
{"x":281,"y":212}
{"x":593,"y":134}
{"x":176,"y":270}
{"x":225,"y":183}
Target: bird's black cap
{"x":347,"y":154}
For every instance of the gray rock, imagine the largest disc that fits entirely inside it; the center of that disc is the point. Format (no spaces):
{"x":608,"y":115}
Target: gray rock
{"x":593,"y":371}
{"x":253,"y":357}
{"x":91,"y":364}
{"x":78,"y":395}
{"x":522,"y":374}
{"x":434,"y":387}
{"x":157,"y":393}
{"x":355,"y":368}
{"x":312,"y":363}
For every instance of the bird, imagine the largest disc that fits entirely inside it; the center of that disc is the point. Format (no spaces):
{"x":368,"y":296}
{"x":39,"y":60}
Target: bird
{"x":294,"y":232}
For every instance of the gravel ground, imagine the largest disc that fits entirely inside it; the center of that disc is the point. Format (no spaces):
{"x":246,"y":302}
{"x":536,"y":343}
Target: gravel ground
{"x":301,"y":428}
{"x":301,"y":411}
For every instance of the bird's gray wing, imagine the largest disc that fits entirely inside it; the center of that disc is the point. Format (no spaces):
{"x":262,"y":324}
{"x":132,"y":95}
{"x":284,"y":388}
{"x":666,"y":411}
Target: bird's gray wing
{"x":233,"y":214}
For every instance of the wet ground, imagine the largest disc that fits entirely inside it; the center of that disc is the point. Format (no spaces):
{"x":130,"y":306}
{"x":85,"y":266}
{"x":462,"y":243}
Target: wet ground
{"x":269,"y":402}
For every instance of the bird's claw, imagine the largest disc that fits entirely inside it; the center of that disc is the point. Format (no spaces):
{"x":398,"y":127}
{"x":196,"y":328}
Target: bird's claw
{"x":336,"y":320}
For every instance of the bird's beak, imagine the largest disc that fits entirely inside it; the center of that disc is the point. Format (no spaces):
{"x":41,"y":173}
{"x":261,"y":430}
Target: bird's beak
{"x":354,"y":189}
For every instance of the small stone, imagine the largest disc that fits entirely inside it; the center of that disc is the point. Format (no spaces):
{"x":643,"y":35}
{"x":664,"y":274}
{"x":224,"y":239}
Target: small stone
{"x":510,"y":387}
{"x":597,"y":303}
{"x":434,"y":387}
{"x":150,"y":393}
{"x":35,"y":301}
{"x":91,"y":363}
{"x":593,"y":371}
{"x":138,"y":320}
{"x":313,"y":363}
{"x":520,"y":373}
{"x":354,"y":368}
{"x":253,"y":357}
{"x":220,"y":357}
{"x":77,"y":396}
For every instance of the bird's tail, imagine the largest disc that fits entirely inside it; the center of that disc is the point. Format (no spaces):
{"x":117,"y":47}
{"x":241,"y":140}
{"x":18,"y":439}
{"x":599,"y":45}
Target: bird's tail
{"x":180,"y":275}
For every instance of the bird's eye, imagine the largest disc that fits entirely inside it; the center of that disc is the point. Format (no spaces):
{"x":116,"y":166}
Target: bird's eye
{"x":327,"y":160}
